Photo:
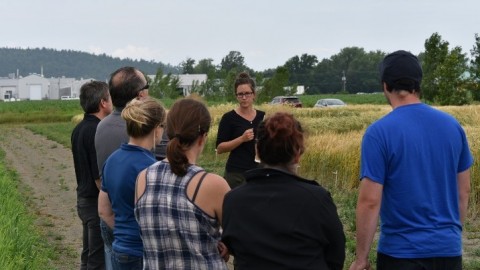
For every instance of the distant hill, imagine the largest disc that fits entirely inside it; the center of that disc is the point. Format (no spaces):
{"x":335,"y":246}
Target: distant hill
{"x":68,"y":63}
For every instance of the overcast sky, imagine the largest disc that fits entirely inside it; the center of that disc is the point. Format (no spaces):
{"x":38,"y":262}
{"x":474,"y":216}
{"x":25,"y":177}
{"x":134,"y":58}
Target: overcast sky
{"x":267,"y":33}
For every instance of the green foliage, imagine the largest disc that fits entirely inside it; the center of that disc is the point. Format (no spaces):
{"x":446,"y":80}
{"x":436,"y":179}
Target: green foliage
{"x":474,"y":83}
{"x":443,"y":79}
{"x":233,"y":60}
{"x":33,"y":111}
{"x":70,"y":63}
{"x":21,"y":245}
{"x":274,"y":86}
{"x":187,"y":66}
{"x":360,"y":69}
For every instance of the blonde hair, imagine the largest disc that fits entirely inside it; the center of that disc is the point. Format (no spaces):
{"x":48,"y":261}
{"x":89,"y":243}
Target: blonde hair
{"x":142,"y":116}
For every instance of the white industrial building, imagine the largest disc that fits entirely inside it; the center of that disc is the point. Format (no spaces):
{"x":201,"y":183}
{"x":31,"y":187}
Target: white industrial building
{"x":36,"y":87}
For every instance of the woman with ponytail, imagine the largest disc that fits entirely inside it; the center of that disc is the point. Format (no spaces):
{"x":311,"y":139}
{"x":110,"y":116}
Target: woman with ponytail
{"x":278,"y":220}
{"x":236,"y":132}
{"x":178,"y":204}
{"x":145,"y":119}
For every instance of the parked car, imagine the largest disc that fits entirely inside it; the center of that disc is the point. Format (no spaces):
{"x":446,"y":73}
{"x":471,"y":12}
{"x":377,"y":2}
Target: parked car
{"x":284,"y":100}
{"x":329,"y":102}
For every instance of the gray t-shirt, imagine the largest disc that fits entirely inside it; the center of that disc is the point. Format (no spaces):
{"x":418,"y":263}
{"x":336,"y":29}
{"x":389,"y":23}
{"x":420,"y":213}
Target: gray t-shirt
{"x":112,"y":132}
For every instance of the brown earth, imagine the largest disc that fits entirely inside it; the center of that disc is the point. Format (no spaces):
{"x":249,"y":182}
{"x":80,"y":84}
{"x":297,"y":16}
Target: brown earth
{"x":47,"y":176}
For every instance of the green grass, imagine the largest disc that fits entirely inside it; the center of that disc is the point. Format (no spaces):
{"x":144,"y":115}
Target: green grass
{"x":21,"y":245}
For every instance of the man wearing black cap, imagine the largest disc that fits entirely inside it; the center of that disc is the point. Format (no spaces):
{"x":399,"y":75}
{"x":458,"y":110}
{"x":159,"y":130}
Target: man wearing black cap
{"x":415,"y":174}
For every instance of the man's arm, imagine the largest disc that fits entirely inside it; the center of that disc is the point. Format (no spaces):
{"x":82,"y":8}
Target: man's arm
{"x":463,"y":181}
{"x":368,"y":208}
{"x":105,"y":209}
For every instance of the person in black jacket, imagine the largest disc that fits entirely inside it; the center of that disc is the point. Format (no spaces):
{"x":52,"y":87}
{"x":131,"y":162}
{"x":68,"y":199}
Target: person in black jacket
{"x":278,"y":220}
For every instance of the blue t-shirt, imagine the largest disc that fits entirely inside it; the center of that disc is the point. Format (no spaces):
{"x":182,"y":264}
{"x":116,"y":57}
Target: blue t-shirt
{"x":119,"y":177}
{"x":416,"y":152}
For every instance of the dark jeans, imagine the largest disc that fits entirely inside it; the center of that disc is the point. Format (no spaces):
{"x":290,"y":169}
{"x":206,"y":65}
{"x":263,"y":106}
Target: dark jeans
{"x":122,"y":261}
{"x":92,"y":256}
{"x":385,"y":262}
{"x":234,"y":179}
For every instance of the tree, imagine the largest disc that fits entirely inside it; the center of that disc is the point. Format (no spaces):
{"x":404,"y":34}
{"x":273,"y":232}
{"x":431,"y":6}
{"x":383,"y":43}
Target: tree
{"x":155,"y":87}
{"x":187,"y":66}
{"x":205,"y":66}
{"x":275,"y":86}
{"x":233,"y":60}
{"x":451,"y":83}
{"x":301,"y":69}
{"x":436,"y":51}
{"x":475,"y":69}
{"x":443,"y":70}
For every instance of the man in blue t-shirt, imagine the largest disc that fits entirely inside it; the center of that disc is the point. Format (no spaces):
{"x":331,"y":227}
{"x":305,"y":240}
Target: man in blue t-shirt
{"x":415,"y":174}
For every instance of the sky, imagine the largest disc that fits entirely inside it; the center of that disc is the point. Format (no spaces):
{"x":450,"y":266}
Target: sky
{"x":266,"y":32}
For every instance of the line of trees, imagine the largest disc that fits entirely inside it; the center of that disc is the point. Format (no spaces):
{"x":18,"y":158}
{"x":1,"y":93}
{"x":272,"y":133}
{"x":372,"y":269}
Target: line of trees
{"x":450,"y":77}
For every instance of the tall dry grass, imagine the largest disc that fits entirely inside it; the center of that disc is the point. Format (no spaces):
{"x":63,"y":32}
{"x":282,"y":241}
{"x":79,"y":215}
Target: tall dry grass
{"x":334,"y":136}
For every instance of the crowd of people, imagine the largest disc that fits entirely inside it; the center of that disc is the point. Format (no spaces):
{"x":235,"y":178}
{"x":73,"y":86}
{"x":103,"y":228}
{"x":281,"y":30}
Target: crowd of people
{"x":146,"y":203}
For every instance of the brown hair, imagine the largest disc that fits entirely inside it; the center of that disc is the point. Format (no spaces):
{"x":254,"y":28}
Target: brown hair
{"x":244,"y":78}
{"x":279,"y":139}
{"x":186,"y":121}
{"x":142,"y":116}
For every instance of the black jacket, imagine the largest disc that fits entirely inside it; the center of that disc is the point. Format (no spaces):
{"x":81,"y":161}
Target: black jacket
{"x":281,"y":221}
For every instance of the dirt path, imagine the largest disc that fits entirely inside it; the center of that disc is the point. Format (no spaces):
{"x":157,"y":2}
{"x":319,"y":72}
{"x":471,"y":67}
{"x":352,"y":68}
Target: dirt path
{"x":46,"y":171}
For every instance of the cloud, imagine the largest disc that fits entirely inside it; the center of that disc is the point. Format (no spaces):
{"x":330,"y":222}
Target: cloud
{"x":137,"y":53}
{"x":95,"y":49}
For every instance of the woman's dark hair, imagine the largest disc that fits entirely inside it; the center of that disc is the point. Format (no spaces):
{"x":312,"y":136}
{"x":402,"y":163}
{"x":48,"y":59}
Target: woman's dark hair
{"x":186,"y":121}
{"x":279,"y":139}
{"x":142,"y":116}
{"x":244,"y":78}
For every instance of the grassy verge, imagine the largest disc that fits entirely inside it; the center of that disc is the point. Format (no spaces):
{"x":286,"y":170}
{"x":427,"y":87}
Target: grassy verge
{"x":21,"y":245}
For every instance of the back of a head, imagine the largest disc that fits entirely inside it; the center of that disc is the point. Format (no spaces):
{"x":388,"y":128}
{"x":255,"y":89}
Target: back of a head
{"x":401,"y":70}
{"x":187,"y":120}
{"x":279,"y":139}
{"x":124,"y":85}
{"x":142,"y":116}
{"x":91,"y":94}
{"x":244,"y":78}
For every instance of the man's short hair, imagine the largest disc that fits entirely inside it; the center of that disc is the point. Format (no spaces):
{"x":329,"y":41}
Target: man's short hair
{"x":124,"y":85}
{"x":91,"y":94}
{"x":401,"y":70}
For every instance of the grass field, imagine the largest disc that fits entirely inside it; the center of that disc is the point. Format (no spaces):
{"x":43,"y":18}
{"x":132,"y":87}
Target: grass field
{"x":21,"y":246}
{"x":333,"y":147}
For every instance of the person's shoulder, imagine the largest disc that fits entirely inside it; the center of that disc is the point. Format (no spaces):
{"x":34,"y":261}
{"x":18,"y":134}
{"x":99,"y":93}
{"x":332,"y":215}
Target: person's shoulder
{"x":312,"y":187}
{"x":215,"y":183}
{"x":229,"y":113}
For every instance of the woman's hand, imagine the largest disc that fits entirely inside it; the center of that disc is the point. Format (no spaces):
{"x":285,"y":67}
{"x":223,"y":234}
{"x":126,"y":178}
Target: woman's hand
{"x":223,"y":251}
{"x":248,"y":135}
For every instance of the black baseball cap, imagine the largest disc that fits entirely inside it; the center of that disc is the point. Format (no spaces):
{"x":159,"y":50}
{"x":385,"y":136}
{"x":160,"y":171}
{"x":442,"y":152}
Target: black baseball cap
{"x":401,"y":70}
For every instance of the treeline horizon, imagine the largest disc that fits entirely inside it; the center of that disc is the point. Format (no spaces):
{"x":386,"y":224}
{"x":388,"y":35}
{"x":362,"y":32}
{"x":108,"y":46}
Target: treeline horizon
{"x":451,"y":76}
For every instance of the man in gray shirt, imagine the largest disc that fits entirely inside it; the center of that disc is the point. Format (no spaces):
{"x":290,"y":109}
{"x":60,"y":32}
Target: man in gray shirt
{"x":125,"y":84}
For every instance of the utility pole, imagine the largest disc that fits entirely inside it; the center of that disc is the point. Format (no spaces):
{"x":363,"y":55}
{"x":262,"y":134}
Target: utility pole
{"x":344,"y":81}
